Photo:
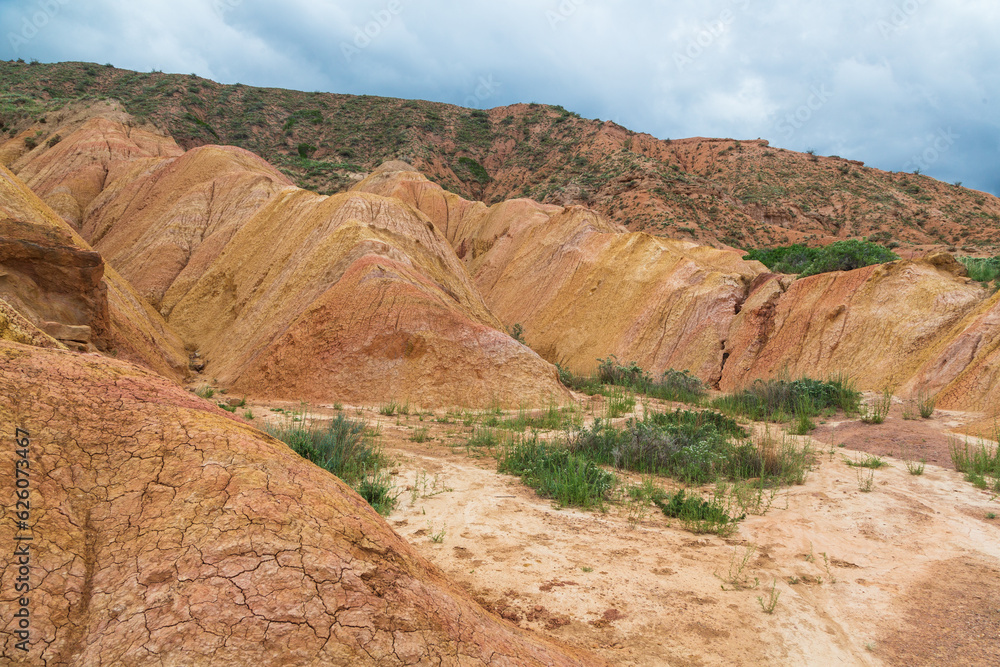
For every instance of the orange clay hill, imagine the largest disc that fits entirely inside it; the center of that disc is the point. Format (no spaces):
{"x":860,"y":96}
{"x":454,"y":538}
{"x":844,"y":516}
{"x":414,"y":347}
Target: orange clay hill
{"x":175,"y":534}
{"x":583,"y":287}
{"x":398,"y":289}
{"x":138,"y":257}
{"x":911,"y":325}
{"x":286,"y":294}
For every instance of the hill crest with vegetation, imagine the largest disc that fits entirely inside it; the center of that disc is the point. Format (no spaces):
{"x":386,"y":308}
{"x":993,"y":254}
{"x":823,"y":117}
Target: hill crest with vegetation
{"x":743,"y":194}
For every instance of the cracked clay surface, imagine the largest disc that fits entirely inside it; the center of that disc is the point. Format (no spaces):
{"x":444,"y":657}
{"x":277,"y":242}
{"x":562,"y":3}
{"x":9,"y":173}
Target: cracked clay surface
{"x":168,"y":533}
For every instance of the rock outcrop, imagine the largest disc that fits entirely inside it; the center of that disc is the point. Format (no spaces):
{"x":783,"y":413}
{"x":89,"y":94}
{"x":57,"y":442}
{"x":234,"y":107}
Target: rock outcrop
{"x":165,"y":532}
{"x":878,"y":324}
{"x":56,"y":281}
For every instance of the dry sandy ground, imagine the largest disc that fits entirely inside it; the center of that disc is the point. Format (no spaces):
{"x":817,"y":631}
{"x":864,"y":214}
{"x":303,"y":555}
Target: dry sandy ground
{"x":907,"y":574}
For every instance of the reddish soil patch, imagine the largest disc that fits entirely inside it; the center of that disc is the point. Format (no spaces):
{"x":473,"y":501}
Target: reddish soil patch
{"x":915,"y":439}
{"x":953,"y":618}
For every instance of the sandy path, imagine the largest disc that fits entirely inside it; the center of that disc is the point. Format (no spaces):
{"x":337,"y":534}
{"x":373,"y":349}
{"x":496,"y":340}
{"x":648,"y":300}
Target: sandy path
{"x":913,"y":570}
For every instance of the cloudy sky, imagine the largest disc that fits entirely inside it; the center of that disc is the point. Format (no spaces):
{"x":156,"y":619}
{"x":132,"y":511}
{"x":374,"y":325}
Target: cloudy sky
{"x":900,"y":84}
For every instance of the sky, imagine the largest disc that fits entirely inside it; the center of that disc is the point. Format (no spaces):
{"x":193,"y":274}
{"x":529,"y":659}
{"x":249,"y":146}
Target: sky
{"x":902,"y":85}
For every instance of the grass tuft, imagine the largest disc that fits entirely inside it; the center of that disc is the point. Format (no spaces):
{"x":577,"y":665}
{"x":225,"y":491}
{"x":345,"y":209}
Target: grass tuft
{"x":699,"y":515}
{"x":876,"y":411}
{"x":979,"y":462}
{"x":555,"y":472}
{"x":346,"y":448}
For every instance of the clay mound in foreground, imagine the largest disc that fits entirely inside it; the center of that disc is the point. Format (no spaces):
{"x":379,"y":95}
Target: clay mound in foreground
{"x":167,"y":532}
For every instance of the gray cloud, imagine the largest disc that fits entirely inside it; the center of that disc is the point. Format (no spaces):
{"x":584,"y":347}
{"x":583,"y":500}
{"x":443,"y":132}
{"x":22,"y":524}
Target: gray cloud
{"x":878,"y":81}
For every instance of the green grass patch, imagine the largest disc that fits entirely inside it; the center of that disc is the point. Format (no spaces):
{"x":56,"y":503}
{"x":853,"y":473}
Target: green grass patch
{"x":868,"y":461}
{"x":394,"y":407}
{"x":781,"y":400}
{"x":552,"y":418}
{"x":699,"y":515}
{"x":671,"y":385}
{"x":979,"y":461}
{"x":474,"y":169}
{"x":555,"y":472}
{"x":620,"y":402}
{"x":983,"y":269}
{"x":346,"y":448}
{"x":692,"y":447}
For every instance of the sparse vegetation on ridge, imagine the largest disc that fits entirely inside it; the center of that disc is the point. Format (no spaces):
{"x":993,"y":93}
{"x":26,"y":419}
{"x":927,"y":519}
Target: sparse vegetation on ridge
{"x":839,"y":256}
{"x":550,"y":154}
{"x":983,"y":269}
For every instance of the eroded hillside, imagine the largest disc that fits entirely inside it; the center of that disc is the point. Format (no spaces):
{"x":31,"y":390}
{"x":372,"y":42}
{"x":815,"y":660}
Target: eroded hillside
{"x":399,"y":289}
{"x":711,"y":191}
{"x":282,"y":292}
{"x":168,"y":532}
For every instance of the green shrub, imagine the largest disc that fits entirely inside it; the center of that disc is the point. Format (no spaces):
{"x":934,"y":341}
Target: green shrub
{"x":587,"y":385}
{"x":610,"y":371}
{"x":672,"y":385}
{"x":839,"y":256}
{"x":306,"y":150}
{"x":982,"y":269}
{"x":477,"y":170}
{"x":698,"y":515}
{"x":314,"y":116}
